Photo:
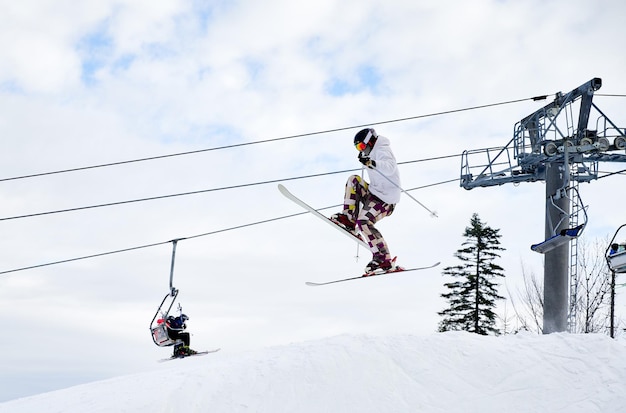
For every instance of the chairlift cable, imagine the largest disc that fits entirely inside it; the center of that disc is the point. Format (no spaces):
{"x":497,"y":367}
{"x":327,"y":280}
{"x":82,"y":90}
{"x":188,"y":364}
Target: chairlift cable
{"x":612,"y":173}
{"x":64,"y":261}
{"x":145,"y":246}
{"x":242,"y":144}
{"x":158,"y":197}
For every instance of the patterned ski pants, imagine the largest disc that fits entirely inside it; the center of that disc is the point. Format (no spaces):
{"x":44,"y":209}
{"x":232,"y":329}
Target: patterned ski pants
{"x":368,"y":209}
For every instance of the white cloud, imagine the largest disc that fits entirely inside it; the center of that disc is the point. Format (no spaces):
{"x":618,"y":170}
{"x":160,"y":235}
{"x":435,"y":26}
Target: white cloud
{"x":178,"y":76}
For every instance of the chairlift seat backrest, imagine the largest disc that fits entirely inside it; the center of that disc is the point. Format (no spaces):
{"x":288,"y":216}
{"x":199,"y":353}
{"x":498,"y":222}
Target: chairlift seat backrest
{"x":161,"y":338}
{"x":158,"y":327}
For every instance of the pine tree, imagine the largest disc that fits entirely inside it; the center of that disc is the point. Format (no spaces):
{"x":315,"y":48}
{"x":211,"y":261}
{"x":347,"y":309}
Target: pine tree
{"x":472,"y":298}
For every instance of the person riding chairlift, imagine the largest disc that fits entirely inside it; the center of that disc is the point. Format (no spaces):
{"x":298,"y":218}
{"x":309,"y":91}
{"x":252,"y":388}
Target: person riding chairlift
{"x":615,"y":248}
{"x":176,"y":331}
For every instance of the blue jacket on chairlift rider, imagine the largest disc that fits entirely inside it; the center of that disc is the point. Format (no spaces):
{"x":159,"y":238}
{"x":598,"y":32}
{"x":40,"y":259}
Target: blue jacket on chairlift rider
{"x":176,"y":330}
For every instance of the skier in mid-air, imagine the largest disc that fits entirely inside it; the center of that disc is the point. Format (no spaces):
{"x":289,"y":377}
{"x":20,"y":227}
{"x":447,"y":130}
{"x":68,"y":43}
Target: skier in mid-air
{"x":367,"y":203}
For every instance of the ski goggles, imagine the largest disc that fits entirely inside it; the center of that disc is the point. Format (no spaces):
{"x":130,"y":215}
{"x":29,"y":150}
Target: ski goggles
{"x":360,"y":146}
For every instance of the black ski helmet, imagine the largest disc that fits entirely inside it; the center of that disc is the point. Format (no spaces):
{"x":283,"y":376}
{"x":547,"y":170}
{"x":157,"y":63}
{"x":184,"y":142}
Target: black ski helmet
{"x":364,"y":139}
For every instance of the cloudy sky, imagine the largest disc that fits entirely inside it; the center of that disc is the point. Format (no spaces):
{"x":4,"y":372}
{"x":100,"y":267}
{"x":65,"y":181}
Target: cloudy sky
{"x":85,"y":84}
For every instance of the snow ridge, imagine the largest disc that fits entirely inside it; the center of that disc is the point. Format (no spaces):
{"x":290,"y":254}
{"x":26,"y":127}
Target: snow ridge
{"x":448,"y":372}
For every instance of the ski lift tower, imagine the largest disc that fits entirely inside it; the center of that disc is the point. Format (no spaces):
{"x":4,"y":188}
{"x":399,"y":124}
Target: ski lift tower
{"x":555,"y":145}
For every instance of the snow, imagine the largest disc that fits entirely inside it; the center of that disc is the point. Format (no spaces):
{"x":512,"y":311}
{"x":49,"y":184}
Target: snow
{"x":446,"y":372}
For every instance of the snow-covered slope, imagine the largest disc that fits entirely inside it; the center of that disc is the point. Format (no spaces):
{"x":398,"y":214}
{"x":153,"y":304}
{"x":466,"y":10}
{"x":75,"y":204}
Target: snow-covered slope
{"x":451,"y":372}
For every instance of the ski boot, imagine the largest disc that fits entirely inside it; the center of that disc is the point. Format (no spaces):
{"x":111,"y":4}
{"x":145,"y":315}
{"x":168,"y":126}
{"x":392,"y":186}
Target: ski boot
{"x":344,"y":222}
{"x":181,"y":351}
{"x":380,"y":265}
{"x":184,"y":351}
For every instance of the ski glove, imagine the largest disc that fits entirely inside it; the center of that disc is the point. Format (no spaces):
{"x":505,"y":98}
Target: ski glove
{"x":365,"y":160}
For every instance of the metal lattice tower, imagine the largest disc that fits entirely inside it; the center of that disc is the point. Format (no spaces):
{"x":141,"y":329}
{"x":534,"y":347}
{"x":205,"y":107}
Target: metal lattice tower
{"x":554,"y":144}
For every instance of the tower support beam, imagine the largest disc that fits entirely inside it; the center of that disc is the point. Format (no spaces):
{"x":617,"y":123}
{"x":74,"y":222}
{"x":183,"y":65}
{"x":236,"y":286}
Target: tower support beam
{"x":555,"y":276}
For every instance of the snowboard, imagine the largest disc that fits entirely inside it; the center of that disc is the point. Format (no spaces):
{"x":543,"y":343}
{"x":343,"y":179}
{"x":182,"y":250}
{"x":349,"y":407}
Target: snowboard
{"x":319,"y":215}
{"x":393,"y":271}
{"x":199,"y":353}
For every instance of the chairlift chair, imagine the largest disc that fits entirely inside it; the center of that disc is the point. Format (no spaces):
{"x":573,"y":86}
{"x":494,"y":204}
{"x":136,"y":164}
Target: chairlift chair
{"x":616,"y":259}
{"x":159,"y":329}
{"x":565,"y":235}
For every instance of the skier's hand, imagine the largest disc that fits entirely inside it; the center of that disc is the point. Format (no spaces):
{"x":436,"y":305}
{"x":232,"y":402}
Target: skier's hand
{"x":365,"y":160}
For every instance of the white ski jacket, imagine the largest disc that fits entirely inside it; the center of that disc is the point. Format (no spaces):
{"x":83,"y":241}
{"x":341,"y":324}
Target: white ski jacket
{"x":386,"y":170}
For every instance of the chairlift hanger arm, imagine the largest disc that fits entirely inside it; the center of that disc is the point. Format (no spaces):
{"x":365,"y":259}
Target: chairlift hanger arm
{"x":174,"y":243}
{"x":159,"y":310}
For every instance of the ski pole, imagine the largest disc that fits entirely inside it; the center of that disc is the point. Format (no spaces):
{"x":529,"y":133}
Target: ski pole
{"x":432,"y":213}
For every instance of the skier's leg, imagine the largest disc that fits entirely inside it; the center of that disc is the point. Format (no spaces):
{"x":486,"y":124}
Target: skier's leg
{"x":356,"y":191}
{"x":186,"y":338}
{"x":176,"y":335}
{"x":373,"y":211}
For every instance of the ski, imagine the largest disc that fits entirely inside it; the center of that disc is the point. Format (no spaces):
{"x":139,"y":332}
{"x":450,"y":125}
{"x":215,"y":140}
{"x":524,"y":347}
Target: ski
{"x":319,"y":215}
{"x":396,"y":270}
{"x":199,"y":353}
